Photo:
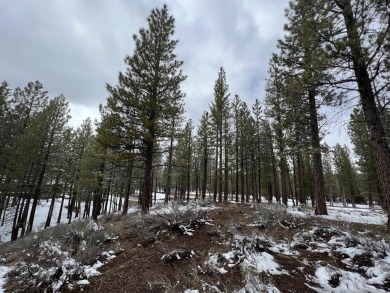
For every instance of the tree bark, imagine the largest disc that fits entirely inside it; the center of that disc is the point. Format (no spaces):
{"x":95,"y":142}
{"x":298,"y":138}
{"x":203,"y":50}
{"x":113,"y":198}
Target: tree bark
{"x":367,"y":98}
{"x":127,"y":187}
{"x":301,"y":180}
{"x":168,"y":185}
{"x":148,"y":183}
{"x":274,"y":172}
{"x":319,"y":188}
{"x":205,"y":166}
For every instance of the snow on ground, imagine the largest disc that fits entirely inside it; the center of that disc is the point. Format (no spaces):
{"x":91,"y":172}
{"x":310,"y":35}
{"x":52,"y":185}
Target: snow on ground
{"x":41,"y":215}
{"x":54,"y":266}
{"x":254,"y":254}
{"x":177,"y":208}
{"x":363,"y":215}
{"x":249,"y":253}
{"x":360,"y":214}
{"x":3,"y":272}
{"x":39,"y":219}
{"x":345,"y":281}
{"x":366,"y":256}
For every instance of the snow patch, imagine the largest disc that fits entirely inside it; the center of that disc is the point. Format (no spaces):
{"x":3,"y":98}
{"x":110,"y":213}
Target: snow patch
{"x":3,"y":272}
{"x":338,"y":281}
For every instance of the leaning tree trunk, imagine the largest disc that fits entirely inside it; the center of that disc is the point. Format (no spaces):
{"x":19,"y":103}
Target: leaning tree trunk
{"x":38,"y":188}
{"x":367,"y":98}
{"x":319,"y":187}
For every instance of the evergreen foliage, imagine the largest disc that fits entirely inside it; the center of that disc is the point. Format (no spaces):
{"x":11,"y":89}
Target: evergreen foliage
{"x":271,"y":150}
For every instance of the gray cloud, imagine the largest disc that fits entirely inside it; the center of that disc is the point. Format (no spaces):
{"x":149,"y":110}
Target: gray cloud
{"x":74,"y":47}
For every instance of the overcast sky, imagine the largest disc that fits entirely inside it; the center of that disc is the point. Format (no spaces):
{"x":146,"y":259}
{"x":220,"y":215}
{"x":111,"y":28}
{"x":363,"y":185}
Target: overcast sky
{"x":75,"y":47}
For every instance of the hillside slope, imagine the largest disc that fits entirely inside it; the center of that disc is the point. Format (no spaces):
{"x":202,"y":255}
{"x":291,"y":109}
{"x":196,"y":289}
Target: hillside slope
{"x":194,"y":248}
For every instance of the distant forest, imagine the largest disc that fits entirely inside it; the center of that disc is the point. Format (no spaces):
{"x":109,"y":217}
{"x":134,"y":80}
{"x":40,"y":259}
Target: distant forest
{"x":334,"y":54}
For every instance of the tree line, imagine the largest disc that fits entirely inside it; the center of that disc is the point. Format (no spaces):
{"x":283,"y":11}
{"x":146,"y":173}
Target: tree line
{"x":333,"y":54}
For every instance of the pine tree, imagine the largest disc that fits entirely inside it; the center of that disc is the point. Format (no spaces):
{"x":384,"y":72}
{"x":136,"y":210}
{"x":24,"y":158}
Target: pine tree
{"x":183,"y":160}
{"x":307,"y":62}
{"x":220,"y":114}
{"x":276,"y":100}
{"x":203,"y":134}
{"x":148,"y":94}
{"x":360,"y":137}
{"x":55,"y":117}
{"x":346,"y":174}
{"x":329,"y":174}
{"x":257,"y":111}
{"x":369,"y":51}
{"x":175,"y":124}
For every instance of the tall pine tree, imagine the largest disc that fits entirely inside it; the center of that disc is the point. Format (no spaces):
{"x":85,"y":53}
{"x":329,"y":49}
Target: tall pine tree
{"x":148,"y":94}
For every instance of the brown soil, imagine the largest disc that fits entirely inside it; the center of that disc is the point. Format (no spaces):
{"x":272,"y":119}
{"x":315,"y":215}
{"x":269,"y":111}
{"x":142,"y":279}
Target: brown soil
{"x":139,"y":267}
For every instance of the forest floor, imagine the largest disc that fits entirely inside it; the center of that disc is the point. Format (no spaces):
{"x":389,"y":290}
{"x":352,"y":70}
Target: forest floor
{"x":231,"y":247}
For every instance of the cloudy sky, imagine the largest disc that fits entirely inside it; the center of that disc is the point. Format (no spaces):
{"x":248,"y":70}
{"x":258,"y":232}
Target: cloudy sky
{"x":75,"y":47}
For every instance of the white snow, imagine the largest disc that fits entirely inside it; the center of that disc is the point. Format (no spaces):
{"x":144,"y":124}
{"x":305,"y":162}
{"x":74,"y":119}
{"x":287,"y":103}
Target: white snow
{"x":348,"y":281}
{"x":380,"y":272}
{"x":41,"y":215}
{"x":82,"y":282}
{"x":262,"y":262}
{"x":39,"y":218}
{"x":360,"y":214}
{"x":222,"y":271}
{"x":245,"y":251}
{"x":356,"y":215}
{"x":3,"y":272}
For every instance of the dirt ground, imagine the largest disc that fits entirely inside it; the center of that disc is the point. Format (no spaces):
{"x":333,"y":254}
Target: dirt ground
{"x":139,"y":266}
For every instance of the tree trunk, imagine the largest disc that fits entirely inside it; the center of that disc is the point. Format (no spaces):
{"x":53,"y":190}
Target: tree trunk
{"x":62,"y":203}
{"x":319,"y":189}
{"x":247,"y":183}
{"x":367,"y":98}
{"x":50,"y":213}
{"x":226,"y":177}
{"x":301,"y":180}
{"x":168,"y":185}
{"x":259,"y":176}
{"x":274,"y":172}
{"x":71,"y":206}
{"x":205,"y":166}
{"x":197,"y":180}
{"x":237,"y":170}
{"x":37,"y":192}
{"x":283,"y":179}
{"x":148,"y":183}
{"x":220,"y":178}
{"x":97,"y":197}
{"x":188,"y":181}
{"x":270,"y":191}
{"x":127,"y":187}
{"x":242,"y":178}
{"x":15,"y":227}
